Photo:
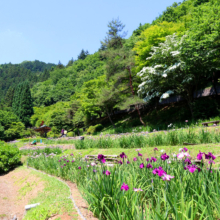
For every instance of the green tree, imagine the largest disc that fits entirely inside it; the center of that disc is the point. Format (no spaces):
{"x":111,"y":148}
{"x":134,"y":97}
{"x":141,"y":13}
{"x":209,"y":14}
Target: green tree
{"x":83,"y":54}
{"x":9,"y":97}
{"x":17,"y":99}
{"x":26,"y":104}
{"x":119,"y":67}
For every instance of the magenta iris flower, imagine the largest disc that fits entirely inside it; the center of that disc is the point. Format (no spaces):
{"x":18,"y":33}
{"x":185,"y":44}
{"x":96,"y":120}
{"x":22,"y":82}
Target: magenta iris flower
{"x":79,"y":168}
{"x":185,"y":149}
{"x":71,"y":154}
{"x":120,"y":162}
{"x":149,"y":166}
{"x":94,"y":171}
{"x":141,"y":165}
{"x":188,"y":161}
{"x":64,"y":164}
{"x":64,"y":159}
{"x":147,"y":159}
{"x":72,"y":161}
{"x":155,"y":149}
{"x":159,"y":171}
{"x":211,"y":161}
{"x":59,"y":161}
{"x":164,"y":157}
{"x":153,"y":159}
{"x":123,"y":155}
{"x":107,"y":173}
{"x":128,"y":162}
{"x":192,"y":168}
{"x":199,"y":156}
{"x":124,"y":187}
{"x":139,"y":154}
{"x":134,"y":159}
{"x":67,"y":161}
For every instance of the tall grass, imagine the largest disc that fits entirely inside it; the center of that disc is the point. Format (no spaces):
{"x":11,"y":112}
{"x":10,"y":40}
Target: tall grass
{"x":172,"y":137}
{"x":193,"y":196}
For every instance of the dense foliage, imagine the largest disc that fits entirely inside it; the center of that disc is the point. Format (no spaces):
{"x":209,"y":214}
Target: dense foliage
{"x":9,"y":157}
{"x":12,"y":74}
{"x":177,"y":54}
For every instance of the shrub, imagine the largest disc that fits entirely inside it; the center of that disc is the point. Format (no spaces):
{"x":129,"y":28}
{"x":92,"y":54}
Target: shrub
{"x":95,"y":128}
{"x":70,"y":134}
{"x":9,"y":157}
{"x":51,"y":134}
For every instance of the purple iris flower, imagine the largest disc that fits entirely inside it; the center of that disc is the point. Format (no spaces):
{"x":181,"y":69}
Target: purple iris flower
{"x":199,"y":155}
{"x":124,"y":187}
{"x":94,"y":171}
{"x":72,"y":161}
{"x":128,"y":162}
{"x":159,"y":171}
{"x":64,"y":164}
{"x":188,"y":161}
{"x":79,"y":168}
{"x":139,"y":154}
{"x":164,"y":157}
{"x":155,"y":149}
{"x":147,"y":159}
{"x":107,"y":173}
{"x":64,"y":159}
{"x":67,"y":161}
{"x":149,"y":166}
{"x":185,"y":149}
{"x":59,"y":161}
{"x":209,"y":156}
{"x":120,"y":162}
{"x":141,"y":166}
{"x":123,"y":155}
{"x":134,"y":159}
{"x":153,"y":159}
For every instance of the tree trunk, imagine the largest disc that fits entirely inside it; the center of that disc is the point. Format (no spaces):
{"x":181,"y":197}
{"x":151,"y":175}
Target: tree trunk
{"x":132,"y":91}
{"x":110,"y":118}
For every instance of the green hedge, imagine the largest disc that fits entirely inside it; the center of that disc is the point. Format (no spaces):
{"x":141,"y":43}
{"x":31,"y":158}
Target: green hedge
{"x":10,"y":157}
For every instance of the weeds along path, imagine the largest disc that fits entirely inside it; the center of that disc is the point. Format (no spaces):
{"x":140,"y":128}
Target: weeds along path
{"x":16,"y":189}
{"x":80,"y":205}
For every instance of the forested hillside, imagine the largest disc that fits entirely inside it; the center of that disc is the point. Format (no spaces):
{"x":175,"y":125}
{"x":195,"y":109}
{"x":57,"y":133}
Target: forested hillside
{"x":177,"y":54}
{"x":12,"y":74}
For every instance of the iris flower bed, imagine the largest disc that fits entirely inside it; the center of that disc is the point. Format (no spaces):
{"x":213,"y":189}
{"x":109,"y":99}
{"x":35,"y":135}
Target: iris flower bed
{"x":160,"y":187}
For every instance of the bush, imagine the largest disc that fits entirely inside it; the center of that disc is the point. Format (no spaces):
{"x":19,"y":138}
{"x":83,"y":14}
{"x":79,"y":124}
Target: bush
{"x":9,"y":157}
{"x":95,"y":128}
{"x":70,"y":134}
{"x":51,"y":134}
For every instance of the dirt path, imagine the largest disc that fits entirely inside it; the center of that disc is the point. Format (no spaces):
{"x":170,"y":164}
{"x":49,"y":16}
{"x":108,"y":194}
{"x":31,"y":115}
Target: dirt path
{"x":19,"y":186}
{"x":16,"y":189}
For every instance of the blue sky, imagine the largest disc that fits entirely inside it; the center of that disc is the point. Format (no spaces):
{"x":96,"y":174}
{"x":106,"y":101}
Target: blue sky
{"x":50,"y":31}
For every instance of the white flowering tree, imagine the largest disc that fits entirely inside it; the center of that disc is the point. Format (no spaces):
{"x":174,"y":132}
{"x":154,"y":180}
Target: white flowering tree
{"x":169,"y":73}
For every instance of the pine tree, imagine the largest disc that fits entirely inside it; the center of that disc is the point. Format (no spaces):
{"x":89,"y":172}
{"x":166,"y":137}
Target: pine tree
{"x":26,"y":104}
{"x":9,"y":97}
{"x":17,"y":99}
{"x":119,"y":65}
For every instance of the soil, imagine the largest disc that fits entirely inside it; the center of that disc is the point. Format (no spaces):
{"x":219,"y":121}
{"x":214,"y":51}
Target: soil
{"x":16,"y":189}
{"x":13,"y":196}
